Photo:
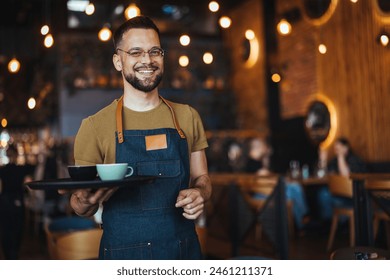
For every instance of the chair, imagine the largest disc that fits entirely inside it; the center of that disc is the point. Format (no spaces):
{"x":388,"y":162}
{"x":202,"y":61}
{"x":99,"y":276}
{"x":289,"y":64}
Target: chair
{"x":79,"y":245}
{"x":264,"y":187}
{"x":341,"y":186}
{"x":59,"y":227}
{"x":271,"y":215}
{"x":379,"y":191}
{"x":380,"y":215}
{"x":201,"y":231}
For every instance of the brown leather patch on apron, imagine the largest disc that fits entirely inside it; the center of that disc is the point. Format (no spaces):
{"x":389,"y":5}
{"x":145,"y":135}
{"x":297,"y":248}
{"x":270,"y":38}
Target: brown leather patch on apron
{"x":156,"y":142}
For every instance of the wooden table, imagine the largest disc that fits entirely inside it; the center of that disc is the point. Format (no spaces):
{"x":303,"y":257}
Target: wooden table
{"x":244,"y":180}
{"x":247,"y":178}
{"x":362,"y":207}
{"x":314,"y":181}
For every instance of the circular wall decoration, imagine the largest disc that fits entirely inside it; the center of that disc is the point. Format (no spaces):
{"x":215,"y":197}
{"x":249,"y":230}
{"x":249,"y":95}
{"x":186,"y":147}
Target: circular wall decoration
{"x":382,"y":8}
{"x":250,"y":49}
{"x":246,"y":49}
{"x":318,"y":12}
{"x":321,"y":121}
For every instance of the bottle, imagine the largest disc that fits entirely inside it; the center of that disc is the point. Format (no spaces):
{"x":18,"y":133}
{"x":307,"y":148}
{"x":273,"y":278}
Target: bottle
{"x":305,"y":171}
{"x":295,"y":169}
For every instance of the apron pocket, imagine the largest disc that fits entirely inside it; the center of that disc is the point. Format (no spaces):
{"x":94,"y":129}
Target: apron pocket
{"x":161,"y":169}
{"x":140,"y":251}
{"x":162,"y":193}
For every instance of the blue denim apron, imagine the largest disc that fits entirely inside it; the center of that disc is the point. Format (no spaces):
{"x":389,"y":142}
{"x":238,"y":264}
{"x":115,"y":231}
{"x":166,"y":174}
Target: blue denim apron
{"x":141,"y":221}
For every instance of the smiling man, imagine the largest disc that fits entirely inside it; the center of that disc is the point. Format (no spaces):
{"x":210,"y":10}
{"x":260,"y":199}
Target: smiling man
{"x":157,"y":138}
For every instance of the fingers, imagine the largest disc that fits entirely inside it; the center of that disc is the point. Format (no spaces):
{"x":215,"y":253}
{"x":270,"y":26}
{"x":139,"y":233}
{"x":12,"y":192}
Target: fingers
{"x":88,"y":196}
{"x":182,"y":201}
{"x":85,"y":196}
{"x":192,"y":203}
{"x":192,"y":216}
{"x":188,"y":196}
{"x":192,"y":213}
{"x":107,"y":194}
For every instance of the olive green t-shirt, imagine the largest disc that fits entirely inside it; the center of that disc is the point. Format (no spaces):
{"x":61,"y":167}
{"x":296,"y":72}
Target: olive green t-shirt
{"x":95,"y":141}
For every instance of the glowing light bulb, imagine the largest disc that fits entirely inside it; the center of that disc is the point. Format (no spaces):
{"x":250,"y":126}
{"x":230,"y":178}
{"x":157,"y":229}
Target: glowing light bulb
{"x":132,"y":11}
{"x":213,"y":6}
{"x":284,"y":27}
{"x":208,"y":58}
{"x":105,"y":34}
{"x":249,"y":34}
{"x":384,"y":39}
{"x":276,"y":78}
{"x":13,"y":65}
{"x":49,"y":41}
{"x":4,"y":122}
{"x":185,"y":40}
{"x":90,"y":9}
{"x":225,"y":22}
{"x":184,"y":61}
{"x":322,"y":48}
{"x":45,"y":29}
{"x":31,"y":103}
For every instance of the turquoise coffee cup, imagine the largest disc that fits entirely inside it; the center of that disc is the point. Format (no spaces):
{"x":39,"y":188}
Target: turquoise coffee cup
{"x":114,"y":171}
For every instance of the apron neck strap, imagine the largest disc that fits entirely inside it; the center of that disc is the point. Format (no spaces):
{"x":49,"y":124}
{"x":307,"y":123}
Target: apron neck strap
{"x":175,"y":122}
{"x":119,"y":116}
{"x":119,"y":125}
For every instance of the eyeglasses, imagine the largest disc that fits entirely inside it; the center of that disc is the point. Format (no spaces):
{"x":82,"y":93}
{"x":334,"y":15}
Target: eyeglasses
{"x":137,"y":52}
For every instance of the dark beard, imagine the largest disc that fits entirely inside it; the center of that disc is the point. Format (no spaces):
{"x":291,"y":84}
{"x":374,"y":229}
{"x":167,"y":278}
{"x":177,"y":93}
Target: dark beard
{"x":146,"y":85}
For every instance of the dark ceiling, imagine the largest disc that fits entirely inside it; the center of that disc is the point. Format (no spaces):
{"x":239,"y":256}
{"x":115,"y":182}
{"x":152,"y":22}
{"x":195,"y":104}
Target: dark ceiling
{"x":31,"y":12}
{"x":21,"y":20}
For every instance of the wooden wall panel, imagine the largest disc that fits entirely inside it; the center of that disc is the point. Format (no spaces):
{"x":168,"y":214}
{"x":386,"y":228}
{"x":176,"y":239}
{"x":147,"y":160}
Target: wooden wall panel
{"x":354,"y":73}
{"x":248,"y":82}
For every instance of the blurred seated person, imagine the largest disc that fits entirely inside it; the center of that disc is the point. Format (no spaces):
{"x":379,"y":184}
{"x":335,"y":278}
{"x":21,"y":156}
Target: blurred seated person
{"x":235,"y":156}
{"x":226,"y":155}
{"x":259,"y":162}
{"x":344,"y":162}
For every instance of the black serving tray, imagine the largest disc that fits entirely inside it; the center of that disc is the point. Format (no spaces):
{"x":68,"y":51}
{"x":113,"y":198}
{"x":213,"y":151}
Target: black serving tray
{"x":69,"y":184}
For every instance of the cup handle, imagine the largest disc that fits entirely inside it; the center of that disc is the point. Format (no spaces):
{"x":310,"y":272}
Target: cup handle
{"x":130,"y":171}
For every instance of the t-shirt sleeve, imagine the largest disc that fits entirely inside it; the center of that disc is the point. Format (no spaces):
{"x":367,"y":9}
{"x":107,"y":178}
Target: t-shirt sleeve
{"x":86,"y":146}
{"x":200,"y":140}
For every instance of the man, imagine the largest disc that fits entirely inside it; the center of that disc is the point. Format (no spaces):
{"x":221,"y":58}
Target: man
{"x":156,"y":137}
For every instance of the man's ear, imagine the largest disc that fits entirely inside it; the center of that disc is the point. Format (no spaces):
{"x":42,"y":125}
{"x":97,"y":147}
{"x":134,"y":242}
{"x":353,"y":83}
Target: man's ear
{"x":116,"y":60}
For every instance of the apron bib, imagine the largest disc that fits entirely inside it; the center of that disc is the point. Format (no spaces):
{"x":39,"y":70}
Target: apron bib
{"x":142,"y":222}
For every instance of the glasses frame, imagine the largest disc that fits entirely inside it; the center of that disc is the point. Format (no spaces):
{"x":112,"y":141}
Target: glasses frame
{"x":143,"y":52}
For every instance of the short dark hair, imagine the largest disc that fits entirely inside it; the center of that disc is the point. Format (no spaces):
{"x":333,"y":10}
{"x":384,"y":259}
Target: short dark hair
{"x":143,"y":22}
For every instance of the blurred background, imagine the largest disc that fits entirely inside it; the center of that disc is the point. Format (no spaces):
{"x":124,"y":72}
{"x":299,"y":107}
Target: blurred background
{"x":300,"y":73}
{"x":261,"y":69}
